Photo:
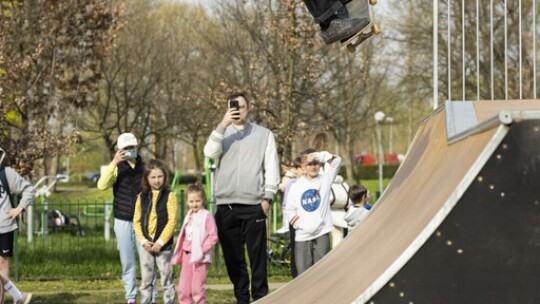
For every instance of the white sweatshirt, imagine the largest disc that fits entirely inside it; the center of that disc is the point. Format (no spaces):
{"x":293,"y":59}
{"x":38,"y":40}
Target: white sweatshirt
{"x":355,"y":216}
{"x":308,"y":201}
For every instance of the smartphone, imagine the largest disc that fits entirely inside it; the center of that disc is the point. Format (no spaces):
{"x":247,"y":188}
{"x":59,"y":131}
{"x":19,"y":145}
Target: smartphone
{"x":233,"y":103}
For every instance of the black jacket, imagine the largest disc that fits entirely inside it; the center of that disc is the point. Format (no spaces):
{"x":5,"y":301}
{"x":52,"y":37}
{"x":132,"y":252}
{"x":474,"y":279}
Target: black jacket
{"x":162,"y":215}
{"x":126,"y":188}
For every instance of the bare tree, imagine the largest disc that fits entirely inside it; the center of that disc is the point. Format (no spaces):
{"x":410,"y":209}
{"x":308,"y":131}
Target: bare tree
{"x":49,"y":69}
{"x":129,"y":99}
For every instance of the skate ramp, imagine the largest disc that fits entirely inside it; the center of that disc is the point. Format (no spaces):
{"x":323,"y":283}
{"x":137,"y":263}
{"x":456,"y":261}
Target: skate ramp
{"x":459,"y":223}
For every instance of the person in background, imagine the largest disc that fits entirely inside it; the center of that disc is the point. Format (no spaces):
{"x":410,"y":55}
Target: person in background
{"x":194,"y":247}
{"x":247,"y":178}
{"x":12,"y":184}
{"x":296,"y":168}
{"x":154,"y":221}
{"x":124,"y":175}
{"x":339,"y":199}
{"x":288,"y":177}
{"x":308,"y":207}
{"x":359,"y":208}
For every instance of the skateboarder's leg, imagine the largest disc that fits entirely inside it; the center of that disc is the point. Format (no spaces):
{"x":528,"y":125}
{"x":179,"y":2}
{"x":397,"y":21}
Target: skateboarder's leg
{"x":323,"y":11}
{"x":334,"y":20}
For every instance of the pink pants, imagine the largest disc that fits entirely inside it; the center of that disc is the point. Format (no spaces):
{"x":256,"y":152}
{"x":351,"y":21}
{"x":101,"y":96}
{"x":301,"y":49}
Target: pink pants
{"x":192,"y":281}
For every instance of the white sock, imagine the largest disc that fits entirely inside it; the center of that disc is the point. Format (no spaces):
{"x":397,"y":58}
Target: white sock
{"x":13,"y":291}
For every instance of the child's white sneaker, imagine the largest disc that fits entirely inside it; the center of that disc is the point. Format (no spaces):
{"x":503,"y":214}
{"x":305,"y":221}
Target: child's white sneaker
{"x":25,"y":298}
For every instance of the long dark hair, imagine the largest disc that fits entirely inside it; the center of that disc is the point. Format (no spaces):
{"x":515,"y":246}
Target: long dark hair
{"x":148,"y":167}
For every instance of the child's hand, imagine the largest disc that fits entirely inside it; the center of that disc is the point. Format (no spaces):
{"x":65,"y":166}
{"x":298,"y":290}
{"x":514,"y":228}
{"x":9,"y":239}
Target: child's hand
{"x":14,"y":212}
{"x":156,"y":247}
{"x":148,"y":246}
{"x":308,"y":158}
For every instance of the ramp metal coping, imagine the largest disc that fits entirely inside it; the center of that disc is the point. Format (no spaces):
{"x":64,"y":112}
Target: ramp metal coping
{"x":505,"y":117}
{"x":460,"y":116}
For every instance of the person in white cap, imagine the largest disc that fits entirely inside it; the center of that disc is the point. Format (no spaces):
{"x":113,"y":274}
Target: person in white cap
{"x":124,"y":175}
{"x":11,"y":183}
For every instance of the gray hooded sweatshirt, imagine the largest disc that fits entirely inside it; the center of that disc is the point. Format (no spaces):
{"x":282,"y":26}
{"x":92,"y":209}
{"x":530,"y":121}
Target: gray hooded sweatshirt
{"x":17,"y":186}
{"x":247,"y":164}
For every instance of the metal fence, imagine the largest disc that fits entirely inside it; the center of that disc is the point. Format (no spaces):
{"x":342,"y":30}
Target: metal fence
{"x":485,"y":50}
{"x":74,"y":240}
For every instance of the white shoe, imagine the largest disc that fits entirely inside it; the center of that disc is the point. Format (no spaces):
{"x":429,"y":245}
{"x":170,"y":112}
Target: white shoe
{"x":25,"y":298}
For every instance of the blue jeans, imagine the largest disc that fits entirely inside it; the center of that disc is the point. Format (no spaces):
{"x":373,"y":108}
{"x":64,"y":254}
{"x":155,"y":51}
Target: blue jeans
{"x":125,"y":238}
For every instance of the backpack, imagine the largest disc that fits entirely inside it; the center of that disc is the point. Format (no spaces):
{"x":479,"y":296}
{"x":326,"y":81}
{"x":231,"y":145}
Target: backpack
{"x":57,"y":218}
{"x":5,"y":184}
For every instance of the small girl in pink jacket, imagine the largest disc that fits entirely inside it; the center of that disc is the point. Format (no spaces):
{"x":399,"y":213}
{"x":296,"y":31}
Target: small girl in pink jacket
{"x":194,"y":248}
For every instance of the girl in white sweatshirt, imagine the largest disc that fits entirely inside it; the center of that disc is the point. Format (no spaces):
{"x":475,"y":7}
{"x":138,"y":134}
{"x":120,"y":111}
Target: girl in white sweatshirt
{"x":308,"y":207}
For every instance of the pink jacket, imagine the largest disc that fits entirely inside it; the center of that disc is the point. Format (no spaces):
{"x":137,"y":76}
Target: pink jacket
{"x":204,"y":238}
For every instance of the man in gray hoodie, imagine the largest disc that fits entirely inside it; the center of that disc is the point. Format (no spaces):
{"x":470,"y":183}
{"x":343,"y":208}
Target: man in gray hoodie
{"x":246,"y":181}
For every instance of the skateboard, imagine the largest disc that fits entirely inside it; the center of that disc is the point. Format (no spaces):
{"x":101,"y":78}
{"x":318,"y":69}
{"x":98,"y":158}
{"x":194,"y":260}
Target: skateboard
{"x":361,"y":9}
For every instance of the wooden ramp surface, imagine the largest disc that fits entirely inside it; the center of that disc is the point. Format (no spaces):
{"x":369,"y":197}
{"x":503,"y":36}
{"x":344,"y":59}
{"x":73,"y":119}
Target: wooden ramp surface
{"x":428,"y":184}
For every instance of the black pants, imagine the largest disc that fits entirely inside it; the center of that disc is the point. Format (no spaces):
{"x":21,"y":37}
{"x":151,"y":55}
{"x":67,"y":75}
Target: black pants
{"x":242,"y":226}
{"x":321,"y":10}
{"x":292,"y":234}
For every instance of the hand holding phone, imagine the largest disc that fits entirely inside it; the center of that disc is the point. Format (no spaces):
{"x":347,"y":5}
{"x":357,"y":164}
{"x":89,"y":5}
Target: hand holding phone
{"x":233,"y":104}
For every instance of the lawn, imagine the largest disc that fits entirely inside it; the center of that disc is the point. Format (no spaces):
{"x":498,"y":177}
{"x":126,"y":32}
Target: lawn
{"x":219,"y":291}
{"x":98,"y":291}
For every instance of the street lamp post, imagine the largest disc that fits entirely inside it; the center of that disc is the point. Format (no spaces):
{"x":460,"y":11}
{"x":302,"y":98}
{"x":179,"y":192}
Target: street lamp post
{"x":379,"y":118}
{"x":390,"y":121}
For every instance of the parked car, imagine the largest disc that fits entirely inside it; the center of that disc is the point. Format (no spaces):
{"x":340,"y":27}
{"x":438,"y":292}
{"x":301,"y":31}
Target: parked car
{"x":371,"y":159}
{"x":92,"y":176}
{"x":63,"y":178}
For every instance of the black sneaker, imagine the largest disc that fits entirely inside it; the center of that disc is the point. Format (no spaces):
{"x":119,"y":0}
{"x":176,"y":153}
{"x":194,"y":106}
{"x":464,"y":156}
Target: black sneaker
{"x":343,"y":28}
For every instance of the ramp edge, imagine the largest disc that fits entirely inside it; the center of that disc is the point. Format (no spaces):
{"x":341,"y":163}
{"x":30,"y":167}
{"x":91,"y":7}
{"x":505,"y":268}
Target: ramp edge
{"x":450,"y":203}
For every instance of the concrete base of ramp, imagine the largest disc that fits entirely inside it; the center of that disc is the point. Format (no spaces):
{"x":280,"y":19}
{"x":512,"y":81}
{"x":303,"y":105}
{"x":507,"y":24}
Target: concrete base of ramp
{"x":458,"y":223}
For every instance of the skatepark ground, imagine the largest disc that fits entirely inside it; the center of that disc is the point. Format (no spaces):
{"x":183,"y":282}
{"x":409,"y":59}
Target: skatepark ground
{"x":109,"y":291}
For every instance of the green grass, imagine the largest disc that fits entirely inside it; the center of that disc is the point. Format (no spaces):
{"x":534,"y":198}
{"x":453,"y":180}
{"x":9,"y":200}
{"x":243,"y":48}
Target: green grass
{"x":103,"y":291}
{"x":75,"y":191}
{"x":97,"y":291}
{"x":373,"y":187}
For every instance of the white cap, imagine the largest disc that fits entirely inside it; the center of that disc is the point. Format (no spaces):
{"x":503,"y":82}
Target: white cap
{"x":126,"y":140}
